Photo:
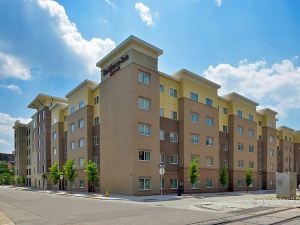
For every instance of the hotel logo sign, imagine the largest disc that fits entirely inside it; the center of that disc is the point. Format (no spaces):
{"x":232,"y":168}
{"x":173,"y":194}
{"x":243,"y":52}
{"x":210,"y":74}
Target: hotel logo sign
{"x":114,"y":67}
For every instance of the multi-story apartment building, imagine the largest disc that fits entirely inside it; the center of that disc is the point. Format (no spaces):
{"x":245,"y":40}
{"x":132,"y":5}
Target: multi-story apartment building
{"x":150,"y":118}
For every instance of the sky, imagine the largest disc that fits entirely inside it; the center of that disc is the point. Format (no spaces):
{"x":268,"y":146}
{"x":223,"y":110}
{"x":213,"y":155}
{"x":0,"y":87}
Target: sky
{"x":248,"y":46}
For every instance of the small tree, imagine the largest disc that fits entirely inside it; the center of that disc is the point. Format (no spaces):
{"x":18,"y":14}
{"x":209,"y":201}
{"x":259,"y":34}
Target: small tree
{"x":44,"y":178}
{"x":224,"y":177}
{"x":248,"y":178}
{"x":20,"y":180}
{"x":54,"y":174}
{"x":194,"y":171}
{"x":91,"y":171}
{"x":70,"y":172}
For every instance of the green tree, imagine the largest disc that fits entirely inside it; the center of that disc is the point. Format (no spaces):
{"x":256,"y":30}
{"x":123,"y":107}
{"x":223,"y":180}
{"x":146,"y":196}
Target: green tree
{"x":248,"y":178}
{"x":70,"y":172}
{"x":224,"y":177}
{"x":20,"y":180}
{"x":54,"y":174}
{"x":44,"y":178}
{"x":6,"y":173}
{"x":194,"y":171}
{"x":91,"y":171}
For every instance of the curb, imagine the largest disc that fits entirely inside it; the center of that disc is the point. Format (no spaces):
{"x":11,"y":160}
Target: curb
{"x":4,"y":220}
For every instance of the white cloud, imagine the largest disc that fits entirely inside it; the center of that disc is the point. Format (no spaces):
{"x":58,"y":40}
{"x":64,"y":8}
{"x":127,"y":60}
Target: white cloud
{"x":6,"y":131}
{"x":92,"y":50}
{"x":218,"y":2}
{"x":144,"y":12}
{"x":276,"y":86}
{"x":12,"y":87}
{"x":48,"y":41}
{"x":11,"y":66}
{"x":110,"y":3}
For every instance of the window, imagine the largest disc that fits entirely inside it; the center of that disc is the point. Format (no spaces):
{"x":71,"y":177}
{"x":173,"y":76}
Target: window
{"x":81,"y":123}
{"x":39,"y":130}
{"x":195,"y":185}
{"x":209,"y":121}
{"x":240,"y":113}
{"x":272,"y":152}
{"x":195,"y":158}
{"x":173,"y":92}
{"x":43,"y":114}
{"x":144,"y":184}
{"x":209,"y":102}
{"x":225,"y":129}
{"x":251,"y":164}
{"x":144,"y":155}
{"x":173,"y":115}
{"x":240,"y":164}
{"x":271,"y":138}
{"x":251,"y":133}
{"x":39,"y":143}
{"x":225,"y":146}
{"x":174,"y":159}
{"x":161,"y":135}
{"x":174,"y":183}
{"x":195,"y":138}
{"x":194,"y":96}
{"x":81,"y":104}
{"x":144,"y":78}
{"x":240,"y":130}
{"x":250,"y":117}
{"x":81,"y":183}
{"x":240,"y":147}
{"x":96,"y":100}
{"x":259,"y":123}
{"x":209,"y":161}
{"x":251,"y":148}
{"x":96,"y":140}
{"x":225,"y":163}
{"x":144,"y":103}
{"x":54,"y":151}
{"x":81,"y":162}
{"x":161,"y":88}
{"x":72,"y":145}
{"x":96,"y":121}
{"x":54,"y":135}
{"x":81,"y":143}
{"x":225,"y":111}
{"x":54,"y":120}
{"x":161,"y":112}
{"x":72,"y":127}
{"x":209,"y":183}
{"x":144,"y":129}
{"x":72,"y":109}
{"x":194,"y":117}
{"x":271,"y":124}
{"x":240,"y":183}
{"x":174,"y":137}
{"x":209,"y":141}
{"x":162,"y":158}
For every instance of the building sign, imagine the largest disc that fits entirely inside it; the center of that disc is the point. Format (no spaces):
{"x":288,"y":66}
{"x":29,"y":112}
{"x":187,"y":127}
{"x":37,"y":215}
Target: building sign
{"x":114,"y":67}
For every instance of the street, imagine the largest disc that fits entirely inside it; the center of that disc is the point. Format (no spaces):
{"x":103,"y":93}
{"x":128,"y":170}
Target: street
{"x":31,"y":207}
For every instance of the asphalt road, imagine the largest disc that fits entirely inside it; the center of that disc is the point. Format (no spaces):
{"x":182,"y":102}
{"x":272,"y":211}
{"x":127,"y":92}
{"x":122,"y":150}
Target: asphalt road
{"x":25,"y":207}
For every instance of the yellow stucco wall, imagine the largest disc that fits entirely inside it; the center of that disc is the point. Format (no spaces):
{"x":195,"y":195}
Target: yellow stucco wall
{"x":168,"y":102}
{"x":223,"y":118}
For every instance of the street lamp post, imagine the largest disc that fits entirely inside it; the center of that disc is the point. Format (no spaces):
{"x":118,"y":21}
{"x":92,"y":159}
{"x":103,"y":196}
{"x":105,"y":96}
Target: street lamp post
{"x":161,"y":172}
{"x":61,"y":177}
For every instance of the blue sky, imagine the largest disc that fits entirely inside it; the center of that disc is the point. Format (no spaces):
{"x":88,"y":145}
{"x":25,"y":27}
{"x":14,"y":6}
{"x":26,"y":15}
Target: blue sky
{"x":248,"y":46}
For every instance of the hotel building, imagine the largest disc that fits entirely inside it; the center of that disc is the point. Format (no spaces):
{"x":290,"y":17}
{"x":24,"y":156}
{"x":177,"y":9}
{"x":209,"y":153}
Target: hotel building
{"x":139,"y":117}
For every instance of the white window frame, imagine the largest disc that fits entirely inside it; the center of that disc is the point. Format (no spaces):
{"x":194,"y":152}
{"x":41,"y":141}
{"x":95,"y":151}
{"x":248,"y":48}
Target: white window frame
{"x":195,"y":117}
{"x":194,"y":94}
{"x":144,"y":103}
{"x":176,"y":161}
{"x":161,"y":135}
{"x":144,"y":184}
{"x":172,"y":114}
{"x":209,"y":141}
{"x":81,"y":123}
{"x":171,"y":184}
{"x":195,"y":139}
{"x":144,"y":78}
{"x":210,"y":121}
{"x":146,"y":155}
{"x":81,"y":143}
{"x":81,"y":104}
{"x":144,"y":129}
{"x":209,"y":100}
{"x":173,"y":92}
{"x":173,"y":137}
